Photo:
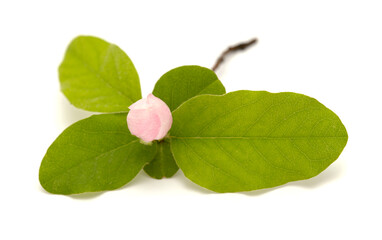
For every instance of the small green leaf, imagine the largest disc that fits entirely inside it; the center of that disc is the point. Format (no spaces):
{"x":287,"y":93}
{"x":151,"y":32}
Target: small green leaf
{"x":249,"y":140}
{"x":163,"y":164}
{"x":175,"y":87}
{"x":182,"y":83}
{"x":98,"y":76}
{"x":94,"y":154}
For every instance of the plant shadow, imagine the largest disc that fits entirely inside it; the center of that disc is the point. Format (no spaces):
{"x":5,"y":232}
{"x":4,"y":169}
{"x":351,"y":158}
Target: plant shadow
{"x":332,"y":173}
{"x":188,"y":184}
{"x":145,"y":181}
{"x":80,"y":196}
{"x":86,"y":196}
{"x":140,"y":179}
{"x":67,"y":114}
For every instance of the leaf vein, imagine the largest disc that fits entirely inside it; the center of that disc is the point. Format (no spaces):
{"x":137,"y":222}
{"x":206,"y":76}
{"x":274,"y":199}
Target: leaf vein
{"x":99,"y":76}
{"x":91,"y":158}
{"x":226,"y":114}
{"x":212,"y":165}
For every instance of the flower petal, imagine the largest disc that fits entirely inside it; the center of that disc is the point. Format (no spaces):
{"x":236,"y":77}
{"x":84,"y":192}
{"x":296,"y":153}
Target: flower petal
{"x":144,"y":124}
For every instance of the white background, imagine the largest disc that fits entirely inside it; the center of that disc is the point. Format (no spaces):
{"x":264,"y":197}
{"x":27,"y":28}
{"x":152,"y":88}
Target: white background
{"x":330,"y":50}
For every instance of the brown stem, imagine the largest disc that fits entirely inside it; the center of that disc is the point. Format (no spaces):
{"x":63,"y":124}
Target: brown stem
{"x":240,"y":46}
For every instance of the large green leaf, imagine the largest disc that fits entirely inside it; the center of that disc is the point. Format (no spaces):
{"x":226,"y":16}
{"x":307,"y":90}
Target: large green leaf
{"x":249,"y":140}
{"x":175,"y":87}
{"x":94,"y":154}
{"x":98,"y":76}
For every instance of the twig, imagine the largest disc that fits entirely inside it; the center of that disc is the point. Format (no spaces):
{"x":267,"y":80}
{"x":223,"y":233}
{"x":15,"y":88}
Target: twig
{"x":240,"y":46}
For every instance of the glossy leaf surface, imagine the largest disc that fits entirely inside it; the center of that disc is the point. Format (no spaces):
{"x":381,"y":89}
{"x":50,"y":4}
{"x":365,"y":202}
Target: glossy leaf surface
{"x":248,"y":140}
{"x":98,"y":76}
{"x":94,"y":154}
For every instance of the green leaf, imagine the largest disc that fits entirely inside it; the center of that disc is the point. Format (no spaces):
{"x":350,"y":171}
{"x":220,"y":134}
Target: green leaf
{"x":163,"y":164}
{"x":175,"y":87}
{"x":249,"y":140}
{"x":182,"y":83}
{"x":94,"y":154}
{"x":98,"y":76}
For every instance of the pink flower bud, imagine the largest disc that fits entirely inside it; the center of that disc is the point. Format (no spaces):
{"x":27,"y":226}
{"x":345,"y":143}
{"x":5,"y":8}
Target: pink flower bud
{"x":149,"y":118}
